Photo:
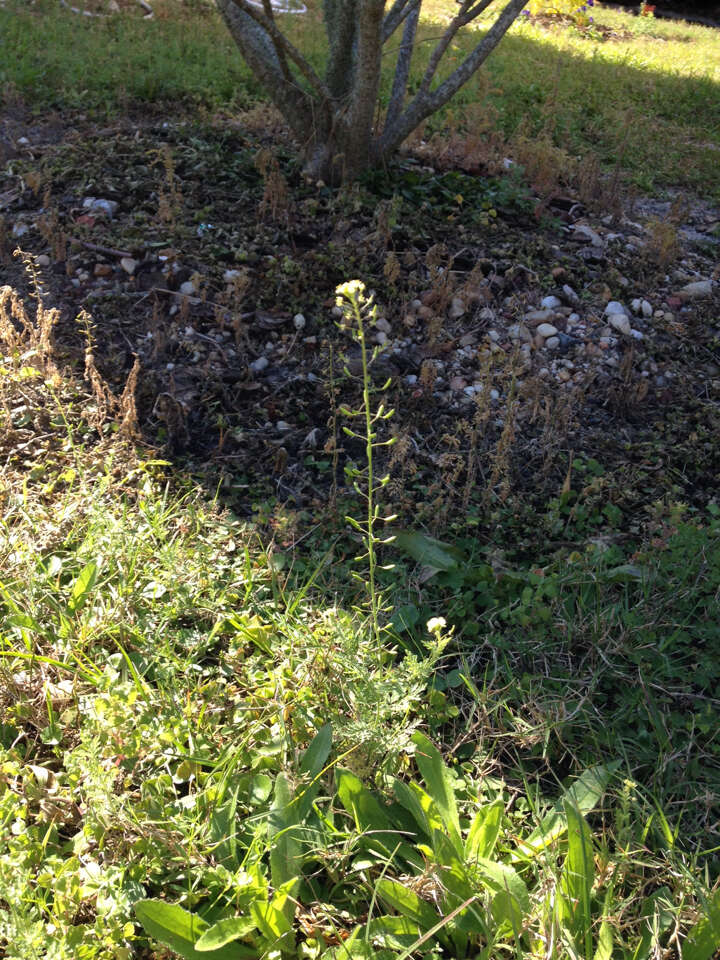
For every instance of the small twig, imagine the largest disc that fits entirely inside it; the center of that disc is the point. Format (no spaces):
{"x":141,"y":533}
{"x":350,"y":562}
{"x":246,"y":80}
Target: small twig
{"x":97,"y":248}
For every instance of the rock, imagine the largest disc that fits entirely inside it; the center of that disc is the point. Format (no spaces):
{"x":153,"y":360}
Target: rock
{"x":487,"y":315}
{"x":550,"y":303}
{"x":564,"y":375}
{"x":43,"y":260}
{"x":103,"y":270}
{"x":188,"y":288}
{"x":457,"y":308}
{"x":547,"y":330}
{"x":457,"y":384}
{"x":469,"y":391}
{"x":697,"y":290}
{"x":558,"y":272}
{"x":381,"y":338}
{"x":566,"y":341}
{"x":552,"y":343}
{"x":382,"y":324}
{"x":536,"y":317}
{"x":592,"y":255}
{"x":257,"y":366}
{"x":129,"y":265}
{"x":587,"y":234}
{"x":518,"y":331}
{"x":282,"y":426}
{"x":570,"y":294}
{"x":411,"y":379}
{"x":468,"y":340}
{"x":231,"y":275}
{"x":20,"y":229}
{"x":299,"y":322}
{"x":425,"y":313}
{"x":637,"y":335}
{"x":636,"y":305}
{"x":98,"y":205}
{"x":613,"y":308}
{"x":619,"y":322}
{"x":494,"y":394}
{"x":493,"y":336}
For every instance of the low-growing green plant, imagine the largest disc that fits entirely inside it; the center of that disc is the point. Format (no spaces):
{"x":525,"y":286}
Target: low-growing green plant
{"x":439,"y":870}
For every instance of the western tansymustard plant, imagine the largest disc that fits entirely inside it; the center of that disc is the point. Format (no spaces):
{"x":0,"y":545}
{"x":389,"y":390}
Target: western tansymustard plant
{"x":359,"y":313}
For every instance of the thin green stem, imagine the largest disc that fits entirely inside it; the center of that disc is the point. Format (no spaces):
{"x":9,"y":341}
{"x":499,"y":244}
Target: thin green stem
{"x":370,"y":478}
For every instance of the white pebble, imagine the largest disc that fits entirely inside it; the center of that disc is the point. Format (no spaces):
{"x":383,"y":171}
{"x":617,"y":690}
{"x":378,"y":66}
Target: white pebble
{"x":620,"y":323}
{"x":547,"y":330}
{"x":257,"y":366}
{"x":551,"y":303}
{"x":299,"y":321}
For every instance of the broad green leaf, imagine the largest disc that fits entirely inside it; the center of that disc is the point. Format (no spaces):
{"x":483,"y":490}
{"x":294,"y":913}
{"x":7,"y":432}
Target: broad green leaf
{"x":584,"y":794}
{"x":703,"y":940}
{"x":604,"y":949}
{"x":420,"y":805}
{"x":83,"y":586}
{"x":484,"y":830}
{"x":397,"y":932}
{"x":407,"y":903}
{"x":439,"y":785}
{"x":312,"y":765}
{"x":271,"y":918}
{"x":511,"y":903}
{"x":223,"y":830}
{"x":178,"y":929}
{"x":285,"y":854}
{"x":315,"y":757}
{"x":428,"y":551}
{"x":577,"y":879}
{"x":365,"y":807}
{"x":372,"y":818}
{"x":226,"y":931}
{"x":625,"y":573}
{"x":357,"y":947}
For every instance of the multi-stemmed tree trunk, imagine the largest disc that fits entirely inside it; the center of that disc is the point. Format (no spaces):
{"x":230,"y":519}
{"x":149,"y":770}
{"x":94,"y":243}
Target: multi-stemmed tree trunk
{"x":335,"y":117}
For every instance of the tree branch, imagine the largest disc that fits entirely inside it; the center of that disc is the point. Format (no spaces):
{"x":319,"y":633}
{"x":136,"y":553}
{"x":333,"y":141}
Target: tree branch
{"x":341,"y":27}
{"x":258,"y":51}
{"x":402,"y":68}
{"x":395,"y":16}
{"x":282,"y":59}
{"x":467,"y":13}
{"x":277,"y":37}
{"x":426,"y":103}
{"x":360,"y":115}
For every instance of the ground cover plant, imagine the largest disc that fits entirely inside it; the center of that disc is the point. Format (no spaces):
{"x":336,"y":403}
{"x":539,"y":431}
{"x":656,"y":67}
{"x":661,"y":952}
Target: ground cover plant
{"x":359,"y":549}
{"x":199,"y":750}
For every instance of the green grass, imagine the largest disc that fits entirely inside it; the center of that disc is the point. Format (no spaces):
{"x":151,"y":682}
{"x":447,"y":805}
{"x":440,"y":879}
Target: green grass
{"x":203,"y":736}
{"x":646,"y":99}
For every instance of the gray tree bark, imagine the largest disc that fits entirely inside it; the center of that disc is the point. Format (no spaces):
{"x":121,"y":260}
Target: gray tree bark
{"x":336,"y":118}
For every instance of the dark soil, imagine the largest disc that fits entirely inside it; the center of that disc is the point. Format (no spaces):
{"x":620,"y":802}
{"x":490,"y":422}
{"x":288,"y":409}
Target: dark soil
{"x":195,"y":201}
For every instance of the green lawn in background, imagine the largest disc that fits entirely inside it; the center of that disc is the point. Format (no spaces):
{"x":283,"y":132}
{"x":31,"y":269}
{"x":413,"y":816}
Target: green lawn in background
{"x":647,"y":97}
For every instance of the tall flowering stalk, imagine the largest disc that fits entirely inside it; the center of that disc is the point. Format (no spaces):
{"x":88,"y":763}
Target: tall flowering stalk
{"x":359,"y":314}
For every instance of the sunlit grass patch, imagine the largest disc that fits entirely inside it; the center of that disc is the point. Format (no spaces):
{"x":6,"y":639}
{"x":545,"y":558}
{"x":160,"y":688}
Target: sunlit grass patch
{"x":645,"y":97}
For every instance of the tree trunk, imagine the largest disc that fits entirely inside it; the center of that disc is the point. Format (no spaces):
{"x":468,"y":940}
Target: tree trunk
{"x":338,"y":155}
